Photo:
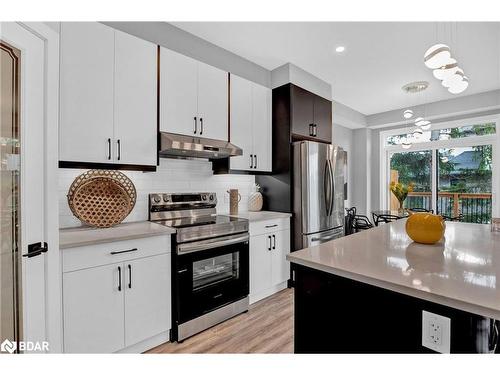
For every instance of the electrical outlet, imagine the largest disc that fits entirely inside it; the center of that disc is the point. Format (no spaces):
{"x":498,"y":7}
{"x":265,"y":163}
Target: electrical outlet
{"x":436,"y":332}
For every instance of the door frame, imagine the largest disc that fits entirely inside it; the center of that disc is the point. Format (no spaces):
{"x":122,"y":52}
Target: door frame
{"x":494,"y":140}
{"x":53,"y":285}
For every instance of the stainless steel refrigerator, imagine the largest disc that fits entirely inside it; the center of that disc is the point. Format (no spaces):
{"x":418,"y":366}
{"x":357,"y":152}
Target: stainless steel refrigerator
{"x":318,"y":186}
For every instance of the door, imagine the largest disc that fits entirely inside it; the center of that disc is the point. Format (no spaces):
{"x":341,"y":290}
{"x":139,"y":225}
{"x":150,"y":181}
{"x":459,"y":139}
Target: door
{"x":323,"y":119}
{"x":302,"y":103}
{"x":22,"y":203}
{"x":261,"y":128}
{"x":212,"y":102}
{"x":147,"y":298}
{"x":135,"y":93}
{"x":241,"y":122}
{"x":316,"y":180}
{"x":260,"y":263}
{"x":86,"y":92}
{"x":94,"y":309}
{"x":280,"y":266}
{"x":178,"y":93}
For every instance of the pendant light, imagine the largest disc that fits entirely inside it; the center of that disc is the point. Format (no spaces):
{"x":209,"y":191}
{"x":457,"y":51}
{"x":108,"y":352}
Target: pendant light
{"x":437,"y":56}
{"x":417,"y":133}
{"x":446,"y":70}
{"x":460,"y":86}
{"x":408,"y":114}
{"x":406,"y":144}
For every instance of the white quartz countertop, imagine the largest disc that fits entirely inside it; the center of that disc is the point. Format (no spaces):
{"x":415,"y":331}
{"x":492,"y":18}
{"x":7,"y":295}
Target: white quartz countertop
{"x":261,"y":215}
{"x":461,"y":271}
{"x":83,"y":236}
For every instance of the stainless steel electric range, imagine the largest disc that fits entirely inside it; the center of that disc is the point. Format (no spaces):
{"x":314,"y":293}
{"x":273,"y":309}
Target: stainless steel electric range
{"x":210,"y":261}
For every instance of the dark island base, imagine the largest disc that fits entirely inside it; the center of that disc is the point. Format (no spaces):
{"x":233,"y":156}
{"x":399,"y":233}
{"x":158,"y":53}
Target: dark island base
{"x":338,"y":315}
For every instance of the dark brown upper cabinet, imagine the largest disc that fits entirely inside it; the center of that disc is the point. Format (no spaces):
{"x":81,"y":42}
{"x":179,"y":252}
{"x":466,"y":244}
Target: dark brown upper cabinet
{"x":311,"y":115}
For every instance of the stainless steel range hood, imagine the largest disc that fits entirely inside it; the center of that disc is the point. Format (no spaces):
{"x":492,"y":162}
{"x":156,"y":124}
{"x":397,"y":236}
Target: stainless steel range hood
{"x":182,"y":146}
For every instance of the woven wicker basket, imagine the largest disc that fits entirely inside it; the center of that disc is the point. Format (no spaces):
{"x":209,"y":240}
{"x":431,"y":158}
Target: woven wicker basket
{"x":102,"y":198}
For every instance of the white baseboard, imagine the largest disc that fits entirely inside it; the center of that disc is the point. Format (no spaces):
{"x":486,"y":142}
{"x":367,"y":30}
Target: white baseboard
{"x":266,"y":293}
{"x":147,"y":344}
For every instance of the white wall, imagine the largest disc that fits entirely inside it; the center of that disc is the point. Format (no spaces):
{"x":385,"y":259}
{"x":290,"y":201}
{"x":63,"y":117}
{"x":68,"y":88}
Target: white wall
{"x":173,"y":175}
{"x":343,"y":137}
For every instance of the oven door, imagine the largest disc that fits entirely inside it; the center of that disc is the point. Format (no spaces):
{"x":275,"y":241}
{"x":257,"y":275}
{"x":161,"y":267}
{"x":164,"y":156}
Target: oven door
{"x":210,"y":274}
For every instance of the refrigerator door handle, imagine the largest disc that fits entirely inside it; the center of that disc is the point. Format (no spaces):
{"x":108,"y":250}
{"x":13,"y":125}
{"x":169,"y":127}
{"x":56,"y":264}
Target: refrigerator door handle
{"x":332,"y":187}
{"x":326,"y":187}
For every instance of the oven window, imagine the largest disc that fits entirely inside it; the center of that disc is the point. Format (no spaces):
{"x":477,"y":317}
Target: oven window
{"x":211,"y":271}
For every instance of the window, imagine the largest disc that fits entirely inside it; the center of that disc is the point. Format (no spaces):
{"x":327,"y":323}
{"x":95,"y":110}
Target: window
{"x":452,"y":168}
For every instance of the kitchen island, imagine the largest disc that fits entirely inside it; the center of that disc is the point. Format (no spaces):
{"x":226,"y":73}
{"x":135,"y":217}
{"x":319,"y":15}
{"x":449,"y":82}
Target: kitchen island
{"x":366,"y":293}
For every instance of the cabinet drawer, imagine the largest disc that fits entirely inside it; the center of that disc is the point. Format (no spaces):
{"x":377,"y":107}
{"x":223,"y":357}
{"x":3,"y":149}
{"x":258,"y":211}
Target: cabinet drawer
{"x":101,"y":254}
{"x":268,"y":226}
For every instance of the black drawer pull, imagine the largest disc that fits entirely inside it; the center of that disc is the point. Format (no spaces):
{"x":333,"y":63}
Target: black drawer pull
{"x":271,"y":226}
{"x":123,"y":251}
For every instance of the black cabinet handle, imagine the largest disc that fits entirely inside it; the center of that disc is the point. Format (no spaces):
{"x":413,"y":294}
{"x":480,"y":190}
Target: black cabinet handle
{"x":255,"y":166}
{"x":274,"y":242}
{"x":270,"y":243}
{"x":315,"y":130}
{"x":271,"y":226}
{"x":123,"y":251}
{"x":201,"y":126}
{"x":119,"y":149}
{"x":119,"y":279}
{"x":311,"y":131}
{"x":129,"y":276}
{"x":251,"y":161}
{"x":35,"y":249}
{"x":109,"y":148}
{"x":195,"y":125}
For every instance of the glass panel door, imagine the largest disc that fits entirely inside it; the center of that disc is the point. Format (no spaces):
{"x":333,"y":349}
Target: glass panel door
{"x":9,"y":193}
{"x":413,"y":167}
{"x":465,"y":183}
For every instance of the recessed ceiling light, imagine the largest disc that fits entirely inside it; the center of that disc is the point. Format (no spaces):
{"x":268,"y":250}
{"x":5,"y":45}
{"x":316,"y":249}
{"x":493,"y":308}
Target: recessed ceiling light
{"x":340,"y":49}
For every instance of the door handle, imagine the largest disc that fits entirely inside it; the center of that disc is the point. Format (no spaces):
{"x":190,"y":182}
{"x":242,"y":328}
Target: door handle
{"x":123,"y":251}
{"x":255,"y":165}
{"x":195,"y":125}
{"x":269,"y":248}
{"x":119,"y":279}
{"x":271,"y":226}
{"x":201,"y":125}
{"x":109,"y":148}
{"x":332,"y":186}
{"x":326,"y":188}
{"x":274,"y":242}
{"x":315,"y":130}
{"x":129,"y":276}
{"x":36,"y":249}
{"x":251,"y":161}
{"x":119,"y":149}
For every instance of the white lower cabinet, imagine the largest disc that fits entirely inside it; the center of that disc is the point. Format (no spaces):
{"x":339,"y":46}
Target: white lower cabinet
{"x":118,"y":306}
{"x":269,"y":269}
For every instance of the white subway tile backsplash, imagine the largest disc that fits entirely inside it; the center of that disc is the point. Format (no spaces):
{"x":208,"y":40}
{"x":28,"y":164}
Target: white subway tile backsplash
{"x":173,"y":175}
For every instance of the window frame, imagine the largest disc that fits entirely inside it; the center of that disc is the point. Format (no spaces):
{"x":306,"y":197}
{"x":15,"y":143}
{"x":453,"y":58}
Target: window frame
{"x":491,"y":139}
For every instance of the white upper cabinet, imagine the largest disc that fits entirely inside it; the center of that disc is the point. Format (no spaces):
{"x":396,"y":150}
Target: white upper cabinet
{"x":251,"y":127}
{"x":86,"y":92}
{"x":241,"y":121}
{"x":108,"y":96}
{"x":178,"y":93}
{"x":212,"y":102}
{"x":193,"y":97}
{"x":135,"y":109}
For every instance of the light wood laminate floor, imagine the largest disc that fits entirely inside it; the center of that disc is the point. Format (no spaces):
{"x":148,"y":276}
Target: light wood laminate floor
{"x":266,"y":328}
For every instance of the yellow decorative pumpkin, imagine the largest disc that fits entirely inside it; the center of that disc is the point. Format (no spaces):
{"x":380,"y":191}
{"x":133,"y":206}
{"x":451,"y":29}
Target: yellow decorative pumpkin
{"x":423,"y":227}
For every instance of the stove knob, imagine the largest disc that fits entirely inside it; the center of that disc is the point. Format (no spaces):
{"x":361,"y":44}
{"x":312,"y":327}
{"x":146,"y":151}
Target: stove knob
{"x":211,"y":197}
{"x":204,"y":197}
{"x":165,"y":198}
{"x":156,"y":198}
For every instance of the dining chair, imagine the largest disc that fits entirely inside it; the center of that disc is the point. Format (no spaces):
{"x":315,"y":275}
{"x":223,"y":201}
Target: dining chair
{"x":420,"y":209}
{"x":384,"y":218}
{"x":453,"y":218}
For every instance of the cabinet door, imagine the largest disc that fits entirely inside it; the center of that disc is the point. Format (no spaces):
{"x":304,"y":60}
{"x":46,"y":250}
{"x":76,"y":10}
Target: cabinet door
{"x":323,"y":118}
{"x":178,"y":93}
{"x":280,"y":266}
{"x":261,"y":127}
{"x":147,"y":298}
{"x":212,"y":102}
{"x":86,"y":92}
{"x":93,"y":310}
{"x":135,"y":100}
{"x":302,"y":102}
{"x":260,"y":264}
{"x":241,"y":121}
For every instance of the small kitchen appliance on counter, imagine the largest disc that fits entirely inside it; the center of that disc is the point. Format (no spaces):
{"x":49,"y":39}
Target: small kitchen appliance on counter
{"x":210,"y":261}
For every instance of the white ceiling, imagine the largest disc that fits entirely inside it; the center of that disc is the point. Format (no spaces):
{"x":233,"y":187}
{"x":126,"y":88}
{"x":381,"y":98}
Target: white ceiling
{"x":380,"y":57}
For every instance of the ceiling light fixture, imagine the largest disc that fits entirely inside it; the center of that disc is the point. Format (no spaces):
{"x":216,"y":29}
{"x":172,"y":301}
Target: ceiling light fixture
{"x":408,"y":114}
{"x":417,"y":133}
{"x":340,"y":49}
{"x":406,"y":144}
{"x":437,"y":56}
{"x":446,"y":70}
{"x":460,"y":86}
